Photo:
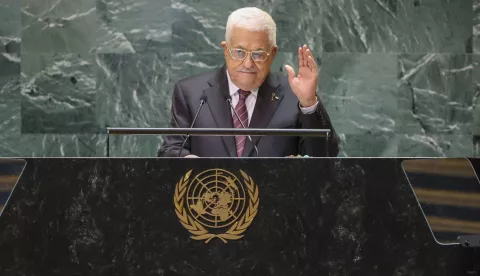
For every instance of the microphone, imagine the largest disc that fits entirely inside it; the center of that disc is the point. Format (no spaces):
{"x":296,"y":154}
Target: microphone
{"x":203,"y":100}
{"x":229,"y":101}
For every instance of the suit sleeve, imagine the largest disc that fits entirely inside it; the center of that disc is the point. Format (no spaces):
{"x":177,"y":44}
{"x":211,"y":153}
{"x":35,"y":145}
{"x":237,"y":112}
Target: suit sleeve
{"x":315,"y":146}
{"x":180,"y":118}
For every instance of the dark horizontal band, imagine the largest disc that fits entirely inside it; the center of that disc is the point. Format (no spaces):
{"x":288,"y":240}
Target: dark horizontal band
{"x":220,"y":131}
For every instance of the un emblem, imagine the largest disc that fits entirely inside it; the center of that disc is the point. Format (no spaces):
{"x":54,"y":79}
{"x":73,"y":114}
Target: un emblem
{"x":216,"y":204}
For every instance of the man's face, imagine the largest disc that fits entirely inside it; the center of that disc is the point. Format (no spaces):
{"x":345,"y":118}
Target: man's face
{"x":248,"y":74}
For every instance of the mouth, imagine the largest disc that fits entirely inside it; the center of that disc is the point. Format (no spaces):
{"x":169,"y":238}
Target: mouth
{"x":248,"y":73}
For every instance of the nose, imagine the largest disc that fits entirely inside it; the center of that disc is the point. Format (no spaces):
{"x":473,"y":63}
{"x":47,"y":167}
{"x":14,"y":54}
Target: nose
{"x":248,"y":63}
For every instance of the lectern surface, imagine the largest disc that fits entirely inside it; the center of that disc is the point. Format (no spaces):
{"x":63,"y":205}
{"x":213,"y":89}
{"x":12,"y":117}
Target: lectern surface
{"x":219,"y":217}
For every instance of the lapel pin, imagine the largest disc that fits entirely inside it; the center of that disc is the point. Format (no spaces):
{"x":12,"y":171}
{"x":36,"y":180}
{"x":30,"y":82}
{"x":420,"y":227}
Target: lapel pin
{"x":274,"y":97}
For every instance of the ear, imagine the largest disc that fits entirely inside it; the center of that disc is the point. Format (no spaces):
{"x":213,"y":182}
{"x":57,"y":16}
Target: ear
{"x":225,"y":49}
{"x":274,"y":51}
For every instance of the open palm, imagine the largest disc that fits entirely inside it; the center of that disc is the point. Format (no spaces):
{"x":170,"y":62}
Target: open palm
{"x":304,"y":85}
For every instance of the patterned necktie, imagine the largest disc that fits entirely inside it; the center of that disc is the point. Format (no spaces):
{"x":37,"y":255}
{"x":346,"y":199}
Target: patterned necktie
{"x":241,"y":110}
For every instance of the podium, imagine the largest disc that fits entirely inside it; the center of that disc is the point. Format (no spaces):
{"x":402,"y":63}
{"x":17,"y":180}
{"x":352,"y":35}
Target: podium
{"x":219,"y":216}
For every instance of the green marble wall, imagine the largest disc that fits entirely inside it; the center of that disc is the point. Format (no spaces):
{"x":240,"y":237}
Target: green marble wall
{"x":398,"y":78}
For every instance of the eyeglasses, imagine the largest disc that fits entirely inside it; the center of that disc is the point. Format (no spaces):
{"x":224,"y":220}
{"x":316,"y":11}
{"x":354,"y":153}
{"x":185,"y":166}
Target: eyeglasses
{"x":240,"y":54}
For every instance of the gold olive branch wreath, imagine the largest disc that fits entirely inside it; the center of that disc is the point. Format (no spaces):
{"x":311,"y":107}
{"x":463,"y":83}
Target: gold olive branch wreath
{"x":197,"y":230}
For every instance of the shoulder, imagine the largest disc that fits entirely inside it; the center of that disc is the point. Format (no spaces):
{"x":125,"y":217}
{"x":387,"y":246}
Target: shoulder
{"x":280,"y":81}
{"x":197,"y":82}
{"x":190,"y":89}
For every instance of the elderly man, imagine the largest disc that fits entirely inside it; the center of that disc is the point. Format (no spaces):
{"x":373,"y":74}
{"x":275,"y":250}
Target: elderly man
{"x":259,"y":98}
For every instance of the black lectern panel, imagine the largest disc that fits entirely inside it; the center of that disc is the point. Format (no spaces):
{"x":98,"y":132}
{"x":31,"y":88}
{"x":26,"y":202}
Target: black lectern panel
{"x":219,"y":217}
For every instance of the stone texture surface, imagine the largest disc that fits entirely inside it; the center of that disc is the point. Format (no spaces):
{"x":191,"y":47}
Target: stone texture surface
{"x":398,"y":78}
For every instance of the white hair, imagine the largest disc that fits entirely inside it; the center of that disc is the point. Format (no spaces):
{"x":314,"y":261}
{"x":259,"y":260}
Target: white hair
{"x":252,"y":19}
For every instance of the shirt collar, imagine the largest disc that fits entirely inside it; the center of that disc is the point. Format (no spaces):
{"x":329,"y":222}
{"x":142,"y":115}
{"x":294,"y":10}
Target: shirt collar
{"x":234,"y":89}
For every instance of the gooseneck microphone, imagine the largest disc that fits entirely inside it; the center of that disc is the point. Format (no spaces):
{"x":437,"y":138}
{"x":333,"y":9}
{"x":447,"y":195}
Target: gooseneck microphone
{"x":203,"y":100}
{"x":229,"y":101}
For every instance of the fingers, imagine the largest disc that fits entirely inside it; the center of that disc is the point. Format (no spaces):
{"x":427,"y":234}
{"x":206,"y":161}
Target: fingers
{"x":306,"y":51}
{"x":301,"y":61}
{"x":309,"y":60}
{"x":305,"y":58}
{"x":312,"y":64}
{"x":290,"y":72}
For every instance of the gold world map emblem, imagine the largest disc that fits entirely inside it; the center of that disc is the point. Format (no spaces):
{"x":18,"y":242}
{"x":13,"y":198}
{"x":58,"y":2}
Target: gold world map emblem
{"x":216,"y":204}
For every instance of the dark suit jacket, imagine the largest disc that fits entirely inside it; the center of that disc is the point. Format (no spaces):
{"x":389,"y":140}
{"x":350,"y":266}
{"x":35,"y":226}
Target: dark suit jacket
{"x":216,"y":113}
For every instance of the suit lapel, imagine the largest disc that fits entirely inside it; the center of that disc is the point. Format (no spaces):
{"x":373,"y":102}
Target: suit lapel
{"x":268,"y":100}
{"x":216,"y":101}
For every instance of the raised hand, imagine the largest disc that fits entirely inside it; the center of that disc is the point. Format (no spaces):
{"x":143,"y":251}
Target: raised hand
{"x":305,"y":84}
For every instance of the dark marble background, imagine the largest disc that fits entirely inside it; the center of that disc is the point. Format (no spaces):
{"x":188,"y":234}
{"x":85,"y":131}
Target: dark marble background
{"x":398,"y":78}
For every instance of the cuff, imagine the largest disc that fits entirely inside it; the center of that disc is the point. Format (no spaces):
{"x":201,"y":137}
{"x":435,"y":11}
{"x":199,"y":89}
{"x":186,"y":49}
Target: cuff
{"x":308,"y":110}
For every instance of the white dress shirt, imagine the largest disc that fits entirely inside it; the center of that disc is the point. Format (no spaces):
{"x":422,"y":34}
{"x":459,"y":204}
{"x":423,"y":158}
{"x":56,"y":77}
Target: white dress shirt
{"x":252,"y":99}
